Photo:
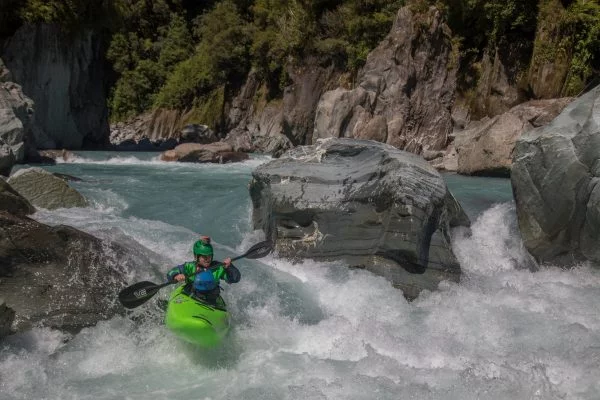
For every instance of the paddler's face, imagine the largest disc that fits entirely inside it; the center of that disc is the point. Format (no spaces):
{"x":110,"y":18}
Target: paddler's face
{"x":204,"y":261}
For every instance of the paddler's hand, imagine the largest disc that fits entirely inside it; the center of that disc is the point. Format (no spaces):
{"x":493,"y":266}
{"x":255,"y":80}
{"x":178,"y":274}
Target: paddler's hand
{"x":179,"y":277}
{"x":227,"y":262}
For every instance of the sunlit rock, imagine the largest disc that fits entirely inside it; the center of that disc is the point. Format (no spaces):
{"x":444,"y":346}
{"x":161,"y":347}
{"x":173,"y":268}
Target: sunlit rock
{"x":364,"y":202}
{"x":45,"y":190}
{"x":218,"y":152}
{"x":486,"y":146}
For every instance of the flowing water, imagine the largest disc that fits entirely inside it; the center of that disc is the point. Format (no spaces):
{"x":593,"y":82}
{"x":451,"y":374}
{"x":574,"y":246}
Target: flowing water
{"x":311,"y":330}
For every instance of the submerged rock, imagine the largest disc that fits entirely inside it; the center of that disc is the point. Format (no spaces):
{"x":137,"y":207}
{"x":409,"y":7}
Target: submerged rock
{"x":44,"y":189}
{"x":362,"y":201}
{"x":555,"y":175}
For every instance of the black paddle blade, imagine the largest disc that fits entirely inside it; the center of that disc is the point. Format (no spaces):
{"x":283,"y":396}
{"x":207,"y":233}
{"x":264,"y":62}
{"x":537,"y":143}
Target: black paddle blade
{"x":138,"y":293}
{"x":259,"y":250}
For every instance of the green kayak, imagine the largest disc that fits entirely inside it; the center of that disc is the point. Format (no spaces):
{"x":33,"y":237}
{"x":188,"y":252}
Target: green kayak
{"x":195,"y":321}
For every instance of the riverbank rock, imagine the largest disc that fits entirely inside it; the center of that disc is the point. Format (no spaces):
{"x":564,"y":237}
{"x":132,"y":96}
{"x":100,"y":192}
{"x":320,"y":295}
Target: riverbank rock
{"x":218,"y":152}
{"x":44,"y":189}
{"x":362,"y":201}
{"x":555,"y":176}
{"x":485,"y":148}
{"x":7,"y":316}
{"x":405,"y":90}
{"x":57,"y":276}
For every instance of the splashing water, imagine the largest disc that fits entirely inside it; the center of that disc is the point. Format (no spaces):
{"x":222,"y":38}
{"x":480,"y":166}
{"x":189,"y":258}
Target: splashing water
{"x":310,"y":330}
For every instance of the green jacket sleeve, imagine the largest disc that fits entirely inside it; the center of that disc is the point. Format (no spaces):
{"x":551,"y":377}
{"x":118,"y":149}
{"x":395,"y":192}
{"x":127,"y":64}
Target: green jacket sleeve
{"x":188,"y":269}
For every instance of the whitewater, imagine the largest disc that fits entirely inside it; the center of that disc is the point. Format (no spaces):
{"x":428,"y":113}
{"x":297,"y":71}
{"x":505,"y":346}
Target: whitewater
{"x":311,"y":330}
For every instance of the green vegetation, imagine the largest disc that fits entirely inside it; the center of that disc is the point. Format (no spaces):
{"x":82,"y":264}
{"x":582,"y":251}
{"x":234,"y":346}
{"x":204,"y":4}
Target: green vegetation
{"x":581,"y":27}
{"x":199,"y":59}
{"x":194,"y":56}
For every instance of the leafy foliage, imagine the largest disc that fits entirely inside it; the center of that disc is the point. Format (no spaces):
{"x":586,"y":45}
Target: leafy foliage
{"x":193,"y":54}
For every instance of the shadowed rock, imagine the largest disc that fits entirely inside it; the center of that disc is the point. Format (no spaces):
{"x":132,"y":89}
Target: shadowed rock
{"x":7,"y":316}
{"x":12,"y":202}
{"x":45,"y":190}
{"x":555,"y":175}
{"x":218,"y":152}
{"x":57,"y":276}
{"x":362,"y":201}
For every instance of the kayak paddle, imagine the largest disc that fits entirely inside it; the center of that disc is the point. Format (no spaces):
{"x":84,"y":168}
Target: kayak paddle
{"x":138,"y":293}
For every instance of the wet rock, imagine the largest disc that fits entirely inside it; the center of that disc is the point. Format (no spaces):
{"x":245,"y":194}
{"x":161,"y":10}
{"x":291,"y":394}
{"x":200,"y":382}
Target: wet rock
{"x":57,"y":276}
{"x":364,"y":202}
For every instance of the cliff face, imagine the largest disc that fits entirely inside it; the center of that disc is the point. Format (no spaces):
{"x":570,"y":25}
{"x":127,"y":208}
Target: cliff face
{"x":16,"y":115}
{"x":405,"y":91}
{"x":64,"y":74}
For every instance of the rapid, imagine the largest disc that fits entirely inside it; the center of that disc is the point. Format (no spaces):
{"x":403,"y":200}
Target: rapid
{"x":312,"y":330}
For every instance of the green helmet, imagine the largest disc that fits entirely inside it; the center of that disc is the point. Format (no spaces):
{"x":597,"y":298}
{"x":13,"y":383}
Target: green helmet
{"x":201,"y":248}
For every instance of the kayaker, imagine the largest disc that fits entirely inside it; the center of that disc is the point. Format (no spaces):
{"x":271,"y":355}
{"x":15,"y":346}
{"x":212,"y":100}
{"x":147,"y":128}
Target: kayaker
{"x":203,"y":275}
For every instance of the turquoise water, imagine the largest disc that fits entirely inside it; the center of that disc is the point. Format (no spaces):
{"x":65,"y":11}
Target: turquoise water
{"x":311,"y":330}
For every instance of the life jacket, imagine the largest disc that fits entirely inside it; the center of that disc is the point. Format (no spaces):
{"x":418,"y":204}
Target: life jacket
{"x":205,"y":282}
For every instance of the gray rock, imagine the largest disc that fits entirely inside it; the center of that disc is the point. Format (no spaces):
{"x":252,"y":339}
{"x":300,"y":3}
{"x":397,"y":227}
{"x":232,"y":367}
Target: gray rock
{"x":12,"y":202}
{"x":486,"y":146}
{"x":16,"y":119}
{"x":362,"y":201}
{"x":64,"y":74}
{"x":45,"y":190}
{"x":554,"y":177}
{"x":57,"y":276}
{"x":405,"y":90}
{"x":217,"y":152}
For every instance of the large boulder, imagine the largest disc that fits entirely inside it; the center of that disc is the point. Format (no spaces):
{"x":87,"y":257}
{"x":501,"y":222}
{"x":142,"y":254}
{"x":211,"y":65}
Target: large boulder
{"x":362,"y":201}
{"x":405,"y":90}
{"x":555,"y":175}
{"x":45,"y":190}
{"x":57,"y":276}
